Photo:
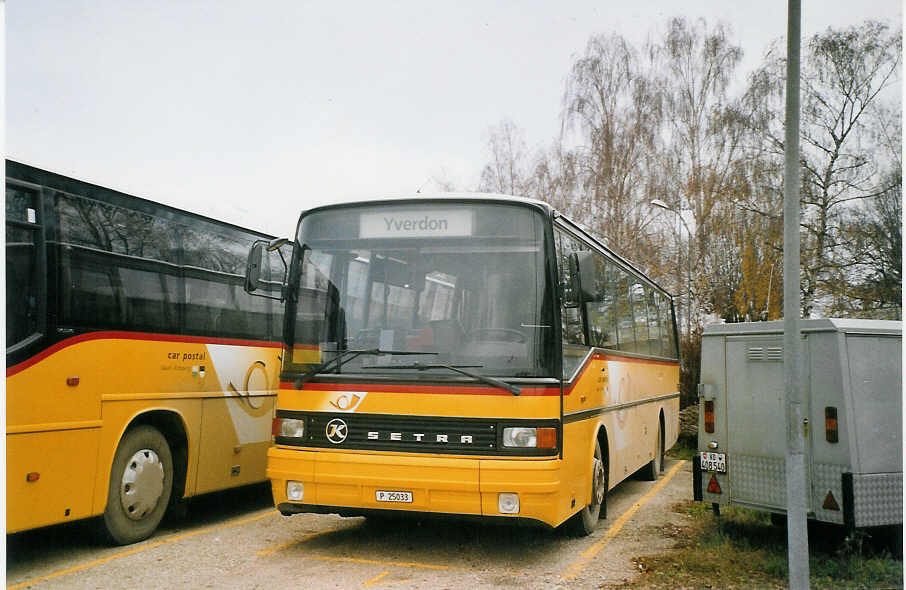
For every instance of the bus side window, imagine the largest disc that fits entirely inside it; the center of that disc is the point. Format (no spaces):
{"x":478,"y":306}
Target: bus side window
{"x":91,"y":298}
{"x":601,"y":311}
{"x":654,"y":326}
{"x":573,"y":333}
{"x":668,"y":336}
{"x":626,"y":332}
{"x":150,"y":299}
{"x":22,"y":285}
{"x":640,"y":317}
{"x":215,"y":302}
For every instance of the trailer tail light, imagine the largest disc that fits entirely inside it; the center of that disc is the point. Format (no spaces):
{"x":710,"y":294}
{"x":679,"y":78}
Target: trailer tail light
{"x":709,"y":416}
{"x":830,"y":425}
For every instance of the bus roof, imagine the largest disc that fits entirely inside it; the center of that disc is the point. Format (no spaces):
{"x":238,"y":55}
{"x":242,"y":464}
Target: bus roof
{"x":465,"y":197}
{"x":29,"y":174}
{"x":450,"y":196}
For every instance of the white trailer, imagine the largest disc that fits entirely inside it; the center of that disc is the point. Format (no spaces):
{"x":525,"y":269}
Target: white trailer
{"x":852,"y":381}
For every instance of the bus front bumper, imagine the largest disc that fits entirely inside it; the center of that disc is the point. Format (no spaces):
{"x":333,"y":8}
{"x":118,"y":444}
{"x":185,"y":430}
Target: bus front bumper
{"x":349,"y":484}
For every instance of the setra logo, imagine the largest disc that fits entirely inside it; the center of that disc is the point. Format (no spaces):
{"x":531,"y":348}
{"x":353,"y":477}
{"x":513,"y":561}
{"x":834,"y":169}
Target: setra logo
{"x":336,"y":431}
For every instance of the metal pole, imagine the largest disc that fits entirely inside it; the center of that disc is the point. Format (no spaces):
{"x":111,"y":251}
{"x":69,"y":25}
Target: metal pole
{"x":796,"y":499}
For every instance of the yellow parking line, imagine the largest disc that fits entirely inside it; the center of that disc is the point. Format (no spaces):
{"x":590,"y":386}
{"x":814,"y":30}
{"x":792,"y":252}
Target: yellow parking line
{"x":140,"y":548}
{"x":291,"y":542}
{"x":427,"y":566}
{"x":376,"y":579}
{"x":618,"y":524}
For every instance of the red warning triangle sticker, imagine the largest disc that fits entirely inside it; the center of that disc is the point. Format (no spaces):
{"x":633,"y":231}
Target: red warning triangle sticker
{"x":713,"y":486}
{"x":830,"y":503}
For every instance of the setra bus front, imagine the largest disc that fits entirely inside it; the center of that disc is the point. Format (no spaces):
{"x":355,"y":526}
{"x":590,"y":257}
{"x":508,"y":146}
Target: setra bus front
{"x":420,"y":355}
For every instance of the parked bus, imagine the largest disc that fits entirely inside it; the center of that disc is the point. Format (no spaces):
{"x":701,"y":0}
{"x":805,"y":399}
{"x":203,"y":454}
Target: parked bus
{"x":138,"y":371}
{"x":469,"y":355}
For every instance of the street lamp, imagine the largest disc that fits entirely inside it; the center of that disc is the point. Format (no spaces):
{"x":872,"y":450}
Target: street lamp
{"x":662,"y":205}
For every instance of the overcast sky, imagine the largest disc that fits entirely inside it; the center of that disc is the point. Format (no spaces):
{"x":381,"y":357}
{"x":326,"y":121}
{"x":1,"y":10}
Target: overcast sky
{"x":253,"y":111}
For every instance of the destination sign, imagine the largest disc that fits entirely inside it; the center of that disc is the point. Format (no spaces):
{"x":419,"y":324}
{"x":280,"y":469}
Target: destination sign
{"x":413,"y":223}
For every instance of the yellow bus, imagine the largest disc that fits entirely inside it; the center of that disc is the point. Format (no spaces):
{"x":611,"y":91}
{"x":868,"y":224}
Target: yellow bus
{"x":138,"y":370}
{"x":467,"y":355}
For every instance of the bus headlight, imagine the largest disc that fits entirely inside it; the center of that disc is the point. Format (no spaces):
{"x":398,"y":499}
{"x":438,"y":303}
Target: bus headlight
{"x":521,"y":437}
{"x":288,"y":427}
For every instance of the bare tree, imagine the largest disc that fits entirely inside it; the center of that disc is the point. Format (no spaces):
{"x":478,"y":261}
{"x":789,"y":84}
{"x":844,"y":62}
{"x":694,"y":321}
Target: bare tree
{"x":702,"y":143}
{"x":846,"y":75}
{"x":506,"y":172}
{"x":612,"y":103}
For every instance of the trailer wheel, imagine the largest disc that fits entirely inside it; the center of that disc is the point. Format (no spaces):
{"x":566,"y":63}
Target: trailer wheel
{"x":141,"y":481}
{"x":652,"y":470}
{"x":584,"y":522}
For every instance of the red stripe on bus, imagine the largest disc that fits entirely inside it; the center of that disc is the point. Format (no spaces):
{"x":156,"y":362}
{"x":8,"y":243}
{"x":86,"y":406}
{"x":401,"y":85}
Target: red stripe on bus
{"x":144,"y":336}
{"x":430,"y":389}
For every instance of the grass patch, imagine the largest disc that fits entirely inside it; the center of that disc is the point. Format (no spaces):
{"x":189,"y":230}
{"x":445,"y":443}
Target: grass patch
{"x":685,"y":448}
{"x":742,"y":549}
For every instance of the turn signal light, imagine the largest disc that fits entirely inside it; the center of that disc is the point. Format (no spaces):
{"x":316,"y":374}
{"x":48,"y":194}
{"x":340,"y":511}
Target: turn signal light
{"x":709,"y":416}
{"x":547,"y":438}
{"x":830,"y":425}
{"x":33,"y":476}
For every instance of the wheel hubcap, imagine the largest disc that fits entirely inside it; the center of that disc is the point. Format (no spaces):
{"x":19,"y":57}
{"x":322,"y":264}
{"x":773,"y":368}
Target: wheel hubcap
{"x":597,"y":485}
{"x":142,"y":484}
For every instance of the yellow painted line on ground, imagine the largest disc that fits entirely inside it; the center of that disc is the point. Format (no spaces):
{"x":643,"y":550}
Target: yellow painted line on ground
{"x":140,"y":548}
{"x":373,"y":581}
{"x":618,"y":525}
{"x":426,"y":566}
{"x":291,"y":542}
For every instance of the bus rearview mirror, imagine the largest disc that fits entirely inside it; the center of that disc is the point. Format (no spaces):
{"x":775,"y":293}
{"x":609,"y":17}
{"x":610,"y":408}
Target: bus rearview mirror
{"x":253,"y":266}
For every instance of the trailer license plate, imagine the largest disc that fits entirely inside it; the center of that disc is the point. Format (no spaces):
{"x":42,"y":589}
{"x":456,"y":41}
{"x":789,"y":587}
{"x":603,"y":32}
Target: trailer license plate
{"x":714,"y":462}
{"x":386,"y":496}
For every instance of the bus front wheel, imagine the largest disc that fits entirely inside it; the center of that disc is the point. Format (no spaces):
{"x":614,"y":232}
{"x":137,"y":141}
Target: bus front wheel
{"x":584,"y":522}
{"x":141,"y":481}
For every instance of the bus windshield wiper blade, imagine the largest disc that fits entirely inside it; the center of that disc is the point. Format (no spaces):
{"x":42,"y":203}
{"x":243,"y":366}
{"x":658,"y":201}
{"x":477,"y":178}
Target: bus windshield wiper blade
{"x":457,"y":368}
{"x":347,"y":355}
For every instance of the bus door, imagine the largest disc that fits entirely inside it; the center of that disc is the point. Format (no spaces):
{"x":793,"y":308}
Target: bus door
{"x":52,"y":406}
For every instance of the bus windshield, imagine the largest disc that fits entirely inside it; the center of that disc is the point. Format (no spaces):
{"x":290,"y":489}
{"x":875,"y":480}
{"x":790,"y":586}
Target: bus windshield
{"x":464,"y":282}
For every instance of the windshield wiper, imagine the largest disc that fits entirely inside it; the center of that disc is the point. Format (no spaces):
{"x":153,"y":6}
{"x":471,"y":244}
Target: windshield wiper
{"x":346,"y":356}
{"x":457,"y":368}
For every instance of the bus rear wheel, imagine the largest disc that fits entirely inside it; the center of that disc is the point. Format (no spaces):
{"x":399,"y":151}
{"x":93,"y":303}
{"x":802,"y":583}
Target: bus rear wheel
{"x":141,"y":481}
{"x":584,"y":522}
{"x":652,"y":470}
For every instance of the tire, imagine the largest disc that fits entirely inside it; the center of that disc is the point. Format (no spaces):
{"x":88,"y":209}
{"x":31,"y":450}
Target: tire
{"x":653,"y":469}
{"x":141,"y":482}
{"x":584,"y":522}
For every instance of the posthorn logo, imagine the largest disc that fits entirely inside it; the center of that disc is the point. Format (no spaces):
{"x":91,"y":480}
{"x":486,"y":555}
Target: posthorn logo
{"x":336,"y":431}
